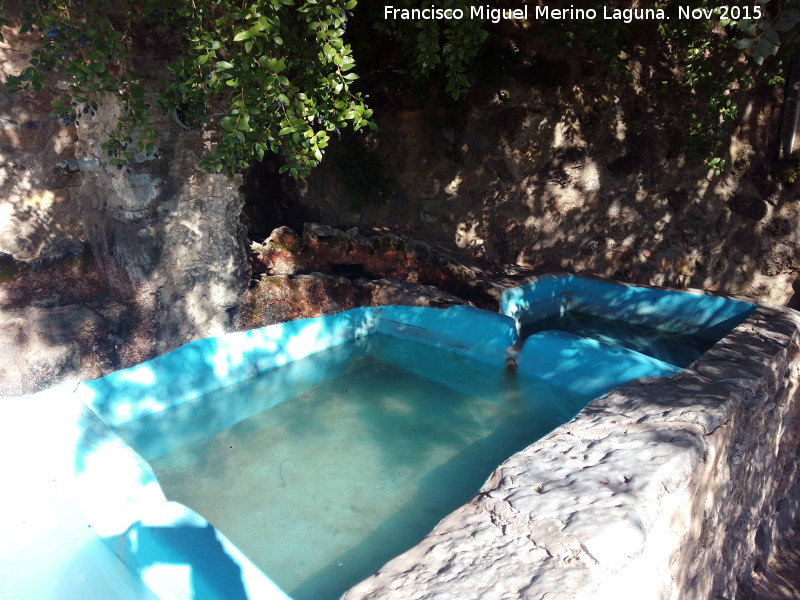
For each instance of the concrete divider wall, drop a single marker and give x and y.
(665, 488)
(664, 309)
(466, 330)
(206, 365)
(584, 365)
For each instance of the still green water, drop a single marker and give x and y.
(322, 489)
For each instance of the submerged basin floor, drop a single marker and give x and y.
(324, 488)
(676, 348)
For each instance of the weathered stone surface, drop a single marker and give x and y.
(325, 249)
(165, 236)
(384, 292)
(779, 577)
(39, 346)
(583, 177)
(70, 280)
(278, 298)
(38, 213)
(664, 488)
(279, 252)
(327, 270)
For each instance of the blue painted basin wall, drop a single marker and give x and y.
(124, 501)
(118, 489)
(711, 316)
(594, 367)
(209, 364)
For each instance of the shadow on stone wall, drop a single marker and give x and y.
(151, 255)
(549, 164)
(269, 201)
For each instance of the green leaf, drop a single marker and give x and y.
(222, 65)
(228, 123)
(242, 35)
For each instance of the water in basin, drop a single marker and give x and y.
(322, 489)
(676, 348)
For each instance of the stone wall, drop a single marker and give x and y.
(550, 164)
(664, 488)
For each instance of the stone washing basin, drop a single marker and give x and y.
(626, 492)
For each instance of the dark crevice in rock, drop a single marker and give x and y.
(794, 301)
(352, 271)
(269, 200)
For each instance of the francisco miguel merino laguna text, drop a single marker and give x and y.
(628, 15)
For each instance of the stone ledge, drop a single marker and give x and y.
(664, 488)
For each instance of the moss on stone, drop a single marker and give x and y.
(8, 270)
(383, 244)
(286, 247)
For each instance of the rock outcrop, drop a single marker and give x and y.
(326, 249)
(161, 237)
(326, 270)
(41, 346)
